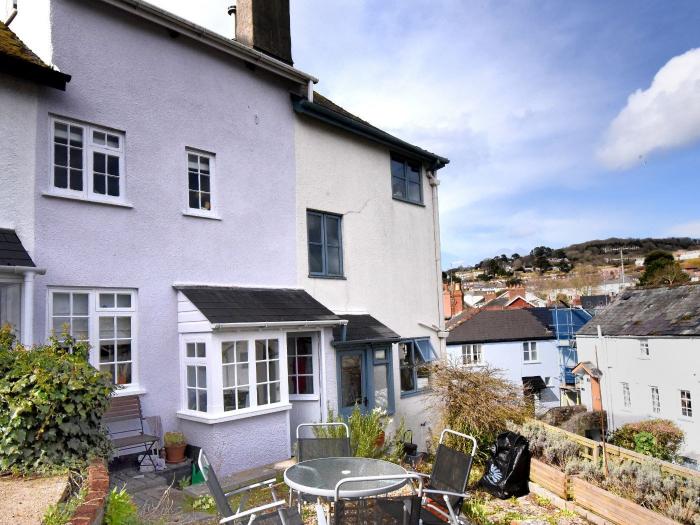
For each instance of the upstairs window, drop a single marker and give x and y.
(200, 171)
(406, 180)
(325, 244)
(686, 404)
(644, 349)
(414, 356)
(87, 161)
(471, 354)
(530, 351)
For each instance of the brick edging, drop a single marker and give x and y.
(91, 510)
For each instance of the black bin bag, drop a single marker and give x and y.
(508, 471)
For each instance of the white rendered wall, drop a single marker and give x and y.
(166, 93)
(388, 245)
(673, 365)
(508, 357)
(18, 116)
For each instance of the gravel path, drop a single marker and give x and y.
(23, 501)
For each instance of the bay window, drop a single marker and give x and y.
(233, 374)
(414, 356)
(106, 319)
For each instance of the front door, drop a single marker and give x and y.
(365, 379)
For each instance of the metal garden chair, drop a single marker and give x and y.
(447, 484)
(276, 512)
(383, 510)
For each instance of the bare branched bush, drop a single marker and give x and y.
(477, 401)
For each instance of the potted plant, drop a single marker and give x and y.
(175, 445)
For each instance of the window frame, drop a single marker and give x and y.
(530, 349)
(93, 316)
(324, 273)
(469, 350)
(644, 352)
(626, 395)
(427, 356)
(314, 396)
(655, 399)
(686, 403)
(395, 157)
(196, 361)
(89, 148)
(212, 212)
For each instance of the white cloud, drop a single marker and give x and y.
(665, 116)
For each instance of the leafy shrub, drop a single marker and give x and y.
(204, 503)
(51, 405)
(61, 513)
(364, 431)
(476, 401)
(667, 438)
(548, 446)
(120, 509)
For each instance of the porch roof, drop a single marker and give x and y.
(363, 328)
(237, 304)
(12, 252)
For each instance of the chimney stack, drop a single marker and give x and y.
(264, 26)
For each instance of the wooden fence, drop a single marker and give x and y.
(593, 451)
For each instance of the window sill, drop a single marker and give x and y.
(212, 419)
(406, 201)
(336, 277)
(414, 393)
(532, 362)
(200, 215)
(132, 390)
(303, 397)
(686, 419)
(119, 204)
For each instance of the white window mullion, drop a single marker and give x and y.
(283, 370)
(215, 384)
(252, 373)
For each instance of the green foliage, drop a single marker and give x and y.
(120, 509)
(205, 503)
(173, 439)
(184, 482)
(660, 438)
(61, 513)
(51, 405)
(476, 401)
(476, 511)
(660, 268)
(365, 429)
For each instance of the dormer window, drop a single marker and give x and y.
(406, 180)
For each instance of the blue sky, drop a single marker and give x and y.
(564, 121)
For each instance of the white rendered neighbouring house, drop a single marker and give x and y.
(235, 250)
(518, 342)
(648, 357)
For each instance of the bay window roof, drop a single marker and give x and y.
(231, 305)
(363, 328)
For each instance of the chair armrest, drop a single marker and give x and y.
(426, 476)
(267, 482)
(254, 510)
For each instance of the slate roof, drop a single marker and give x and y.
(332, 113)
(363, 328)
(652, 312)
(12, 253)
(251, 305)
(493, 326)
(17, 59)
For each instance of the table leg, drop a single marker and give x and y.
(323, 518)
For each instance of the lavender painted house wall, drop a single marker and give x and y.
(167, 93)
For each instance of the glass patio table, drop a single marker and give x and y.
(318, 477)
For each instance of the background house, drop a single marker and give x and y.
(519, 342)
(648, 358)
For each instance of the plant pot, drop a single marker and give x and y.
(379, 441)
(175, 453)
